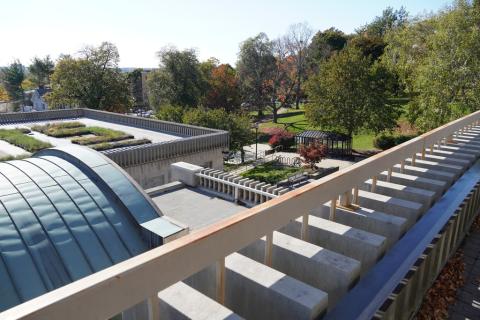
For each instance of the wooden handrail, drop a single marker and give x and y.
(110, 291)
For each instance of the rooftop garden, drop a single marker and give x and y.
(97, 138)
(18, 137)
(271, 172)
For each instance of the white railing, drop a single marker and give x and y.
(108, 292)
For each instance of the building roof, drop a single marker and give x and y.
(316, 134)
(65, 213)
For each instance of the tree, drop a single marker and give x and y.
(179, 81)
(323, 45)
(40, 71)
(389, 20)
(237, 124)
(136, 87)
(312, 153)
(437, 60)
(349, 94)
(12, 78)
(222, 89)
(255, 67)
(93, 80)
(3, 94)
(297, 42)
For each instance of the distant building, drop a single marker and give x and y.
(35, 96)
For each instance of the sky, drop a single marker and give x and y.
(140, 28)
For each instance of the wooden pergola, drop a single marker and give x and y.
(339, 145)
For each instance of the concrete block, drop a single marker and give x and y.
(255, 291)
(456, 170)
(437, 186)
(459, 154)
(387, 225)
(360, 245)
(449, 177)
(397, 207)
(461, 147)
(182, 302)
(185, 172)
(302, 261)
(446, 159)
(425, 197)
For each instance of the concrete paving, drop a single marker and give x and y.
(194, 207)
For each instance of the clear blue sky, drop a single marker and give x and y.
(141, 27)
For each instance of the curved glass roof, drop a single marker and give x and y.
(65, 213)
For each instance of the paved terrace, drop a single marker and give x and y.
(363, 242)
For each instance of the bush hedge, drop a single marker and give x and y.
(385, 142)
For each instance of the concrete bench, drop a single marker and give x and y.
(459, 154)
(398, 207)
(321, 268)
(182, 302)
(360, 245)
(255, 291)
(389, 226)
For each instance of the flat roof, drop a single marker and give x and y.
(194, 207)
(138, 133)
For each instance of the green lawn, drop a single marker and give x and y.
(298, 123)
(18, 138)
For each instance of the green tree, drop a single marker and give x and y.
(255, 67)
(93, 80)
(136, 87)
(40, 71)
(349, 94)
(389, 20)
(437, 60)
(179, 81)
(324, 44)
(11, 78)
(237, 124)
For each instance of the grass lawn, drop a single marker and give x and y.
(270, 173)
(298, 123)
(18, 138)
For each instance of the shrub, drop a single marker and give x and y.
(270, 172)
(170, 113)
(283, 138)
(313, 153)
(385, 142)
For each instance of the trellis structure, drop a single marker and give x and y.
(339, 145)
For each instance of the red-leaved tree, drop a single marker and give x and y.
(312, 153)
